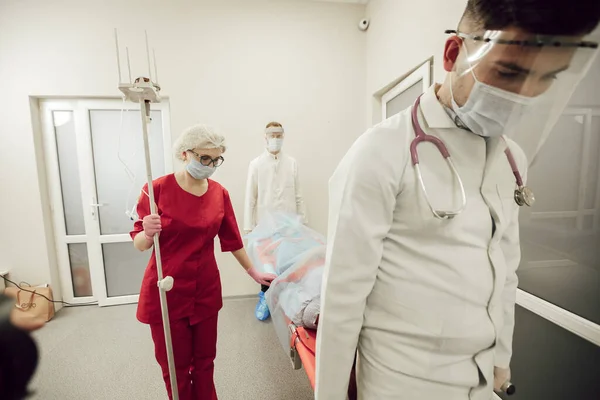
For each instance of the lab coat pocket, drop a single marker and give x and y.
(412, 208)
(418, 327)
(289, 183)
(401, 337)
(289, 188)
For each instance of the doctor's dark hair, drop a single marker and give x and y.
(545, 17)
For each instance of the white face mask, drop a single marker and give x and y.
(489, 111)
(274, 145)
(199, 171)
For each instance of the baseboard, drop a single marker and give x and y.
(240, 297)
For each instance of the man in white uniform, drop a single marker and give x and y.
(426, 296)
(273, 185)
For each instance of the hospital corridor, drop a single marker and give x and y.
(300, 199)
(244, 363)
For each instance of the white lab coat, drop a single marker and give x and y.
(273, 185)
(428, 303)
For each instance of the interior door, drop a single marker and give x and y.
(61, 150)
(99, 162)
(404, 94)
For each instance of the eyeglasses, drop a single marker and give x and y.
(207, 161)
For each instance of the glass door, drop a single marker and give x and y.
(98, 159)
(63, 169)
(559, 275)
(404, 94)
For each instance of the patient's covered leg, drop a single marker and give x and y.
(311, 313)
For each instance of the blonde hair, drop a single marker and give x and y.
(274, 124)
(198, 137)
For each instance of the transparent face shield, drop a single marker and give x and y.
(517, 84)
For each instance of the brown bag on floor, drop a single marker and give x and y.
(33, 303)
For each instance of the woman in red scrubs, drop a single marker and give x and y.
(192, 211)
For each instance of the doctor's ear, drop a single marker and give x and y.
(451, 51)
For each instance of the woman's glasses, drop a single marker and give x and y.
(207, 161)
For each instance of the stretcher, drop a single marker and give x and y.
(282, 245)
(303, 350)
(301, 345)
(301, 342)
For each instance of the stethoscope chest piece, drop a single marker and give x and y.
(524, 196)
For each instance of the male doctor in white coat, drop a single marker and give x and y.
(273, 185)
(427, 296)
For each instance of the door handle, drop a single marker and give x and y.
(94, 207)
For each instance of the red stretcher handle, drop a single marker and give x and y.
(308, 361)
(308, 358)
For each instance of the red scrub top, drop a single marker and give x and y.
(189, 227)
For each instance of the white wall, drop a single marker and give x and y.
(403, 34)
(233, 64)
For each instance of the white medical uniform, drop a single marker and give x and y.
(428, 303)
(273, 185)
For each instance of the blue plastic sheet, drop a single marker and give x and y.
(281, 244)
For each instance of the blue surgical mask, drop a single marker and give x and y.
(199, 171)
(490, 111)
(274, 144)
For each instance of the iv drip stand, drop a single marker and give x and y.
(144, 91)
(165, 284)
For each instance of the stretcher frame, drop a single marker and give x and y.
(295, 339)
(301, 356)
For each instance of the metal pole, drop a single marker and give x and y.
(118, 57)
(145, 109)
(148, 56)
(128, 64)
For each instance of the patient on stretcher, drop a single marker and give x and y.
(281, 244)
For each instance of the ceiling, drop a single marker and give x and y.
(343, 1)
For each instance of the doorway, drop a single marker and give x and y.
(95, 168)
(404, 94)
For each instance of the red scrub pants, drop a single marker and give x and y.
(194, 350)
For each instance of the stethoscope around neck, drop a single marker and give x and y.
(522, 195)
